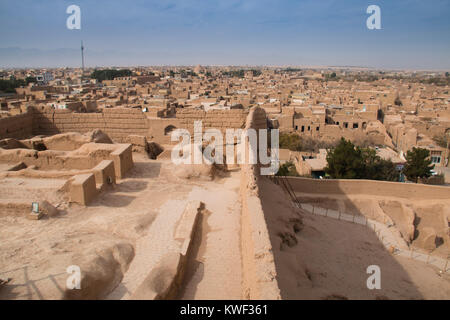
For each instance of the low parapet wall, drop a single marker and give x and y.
(259, 273)
(369, 187)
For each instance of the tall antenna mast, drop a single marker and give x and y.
(82, 56)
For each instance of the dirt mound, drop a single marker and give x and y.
(159, 284)
(432, 228)
(98, 136)
(427, 239)
(94, 150)
(194, 171)
(48, 209)
(402, 216)
(101, 272)
(66, 141)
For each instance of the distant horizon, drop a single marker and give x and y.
(301, 66)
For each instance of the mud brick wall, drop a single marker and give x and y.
(217, 119)
(259, 272)
(18, 127)
(117, 123)
(259, 119)
(369, 187)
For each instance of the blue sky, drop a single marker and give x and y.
(415, 34)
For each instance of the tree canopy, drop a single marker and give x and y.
(418, 164)
(348, 161)
(287, 169)
(110, 74)
(9, 86)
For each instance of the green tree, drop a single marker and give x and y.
(30, 79)
(9, 86)
(287, 169)
(348, 161)
(418, 164)
(345, 161)
(110, 74)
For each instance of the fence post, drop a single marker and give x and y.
(313, 209)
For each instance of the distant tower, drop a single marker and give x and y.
(82, 56)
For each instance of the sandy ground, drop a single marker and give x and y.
(35, 254)
(428, 214)
(328, 258)
(316, 257)
(28, 189)
(5, 166)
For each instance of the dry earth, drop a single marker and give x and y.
(328, 258)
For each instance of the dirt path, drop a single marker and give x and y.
(215, 272)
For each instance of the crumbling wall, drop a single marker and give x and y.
(259, 273)
(18, 127)
(117, 123)
(85, 158)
